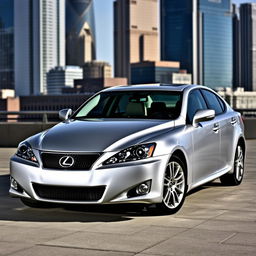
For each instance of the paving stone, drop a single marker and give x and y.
(9, 247)
(31, 235)
(244, 239)
(199, 242)
(117, 242)
(63, 251)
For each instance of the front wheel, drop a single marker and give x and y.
(236, 177)
(174, 186)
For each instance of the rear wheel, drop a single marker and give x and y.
(236, 177)
(174, 186)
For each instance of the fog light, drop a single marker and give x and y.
(142, 189)
(14, 184)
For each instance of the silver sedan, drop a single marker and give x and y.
(148, 144)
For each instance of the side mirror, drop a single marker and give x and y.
(202, 116)
(64, 114)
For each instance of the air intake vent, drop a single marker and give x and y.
(65, 193)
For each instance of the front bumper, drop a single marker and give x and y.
(117, 180)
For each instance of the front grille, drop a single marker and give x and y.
(65, 193)
(81, 161)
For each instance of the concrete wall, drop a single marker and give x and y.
(250, 128)
(13, 133)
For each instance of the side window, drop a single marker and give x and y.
(223, 106)
(212, 102)
(195, 102)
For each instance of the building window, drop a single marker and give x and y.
(154, 28)
(133, 2)
(134, 26)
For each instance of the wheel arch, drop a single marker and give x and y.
(179, 153)
(241, 141)
(182, 156)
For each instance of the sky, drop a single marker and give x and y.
(104, 28)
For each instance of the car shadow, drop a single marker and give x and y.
(13, 209)
(215, 183)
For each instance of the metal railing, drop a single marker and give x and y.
(247, 112)
(29, 116)
(52, 116)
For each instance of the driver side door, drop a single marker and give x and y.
(205, 139)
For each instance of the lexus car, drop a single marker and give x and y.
(141, 144)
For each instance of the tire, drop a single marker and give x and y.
(235, 178)
(35, 204)
(174, 186)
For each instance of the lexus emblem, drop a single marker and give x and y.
(66, 161)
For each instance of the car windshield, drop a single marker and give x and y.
(132, 104)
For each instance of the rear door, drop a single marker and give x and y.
(227, 123)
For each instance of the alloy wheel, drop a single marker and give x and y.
(174, 185)
(239, 163)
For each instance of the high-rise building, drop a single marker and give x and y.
(80, 32)
(248, 46)
(59, 78)
(39, 43)
(198, 34)
(97, 69)
(136, 34)
(6, 45)
(236, 48)
(166, 72)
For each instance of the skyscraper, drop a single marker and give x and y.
(135, 34)
(80, 32)
(39, 43)
(198, 33)
(178, 33)
(6, 45)
(59, 78)
(248, 46)
(236, 48)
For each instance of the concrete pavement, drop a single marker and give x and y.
(215, 220)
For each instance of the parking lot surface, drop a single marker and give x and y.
(215, 220)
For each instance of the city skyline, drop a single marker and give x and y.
(143, 39)
(104, 28)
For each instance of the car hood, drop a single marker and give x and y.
(97, 136)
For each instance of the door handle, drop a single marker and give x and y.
(216, 127)
(233, 121)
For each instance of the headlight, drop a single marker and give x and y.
(25, 151)
(133, 153)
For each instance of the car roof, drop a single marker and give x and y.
(153, 87)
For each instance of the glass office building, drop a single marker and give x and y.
(6, 45)
(217, 43)
(177, 32)
(198, 33)
(80, 32)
